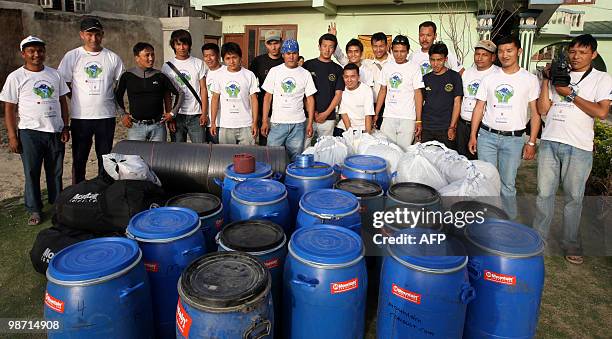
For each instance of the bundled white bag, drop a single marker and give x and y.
(391, 153)
(128, 167)
(352, 138)
(490, 173)
(475, 184)
(414, 167)
(330, 150)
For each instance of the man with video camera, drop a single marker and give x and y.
(565, 152)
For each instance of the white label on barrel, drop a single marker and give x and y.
(405, 294)
(272, 263)
(54, 304)
(500, 278)
(151, 266)
(344, 286)
(183, 320)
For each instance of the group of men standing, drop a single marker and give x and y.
(482, 112)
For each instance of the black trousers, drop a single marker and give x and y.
(463, 138)
(440, 135)
(84, 132)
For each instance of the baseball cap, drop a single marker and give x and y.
(290, 46)
(487, 45)
(90, 23)
(31, 40)
(273, 35)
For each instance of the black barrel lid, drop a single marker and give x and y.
(414, 193)
(361, 188)
(430, 222)
(223, 279)
(252, 235)
(202, 203)
(489, 210)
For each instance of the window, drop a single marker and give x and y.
(80, 6)
(175, 11)
(77, 6)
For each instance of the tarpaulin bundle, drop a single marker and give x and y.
(188, 167)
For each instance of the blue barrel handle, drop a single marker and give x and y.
(218, 181)
(265, 216)
(304, 281)
(337, 168)
(468, 293)
(474, 269)
(291, 187)
(277, 176)
(192, 250)
(127, 291)
(259, 329)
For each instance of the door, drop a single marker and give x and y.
(256, 41)
(239, 39)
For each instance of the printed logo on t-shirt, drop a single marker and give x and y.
(93, 69)
(43, 89)
(331, 77)
(503, 93)
(395, 80)
(425, 68)
(232, 89)
(472, 87)
(288, 85)
(185, 74)
(449, 87)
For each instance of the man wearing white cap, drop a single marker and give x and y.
(91, 72)
(37, 94)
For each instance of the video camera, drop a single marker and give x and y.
(560, 68)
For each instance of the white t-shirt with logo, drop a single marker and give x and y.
(92, 76)
(235, 90)
(210, 78)
(193, 70)
(375, 68)
(421, 59)
(288, 86)
(565, 122)
(356, 104)
(37, 96)
(471, 81)
(507, 99)
(401, 81)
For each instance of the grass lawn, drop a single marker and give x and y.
(577, 301)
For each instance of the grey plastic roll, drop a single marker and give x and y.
(186, 167)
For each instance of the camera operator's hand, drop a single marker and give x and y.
(546, 72)
(563, 90)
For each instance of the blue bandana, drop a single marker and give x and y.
(290, 46)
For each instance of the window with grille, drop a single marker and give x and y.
(175, 11)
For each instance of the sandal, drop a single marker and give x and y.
(34, 219)
(575, 259)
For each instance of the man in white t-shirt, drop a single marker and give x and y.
(37, 94)
(91, 72)
(211, 54)
(288, 84)
(400, 84)
(193, 115)
(356, 107)
(354, 54)
(566, 149)
(427, 37)
(503, 99)
(484, 56)
(235, 98)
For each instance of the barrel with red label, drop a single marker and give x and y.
(506, 268)
(324, 284)
(170, 239)
(225, 295)
(99, 289)
(330, 207)
(424, 288)
(210, 210)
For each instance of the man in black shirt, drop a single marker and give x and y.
(327, 76)
(261, 65)
(442, 99)
(148, 92)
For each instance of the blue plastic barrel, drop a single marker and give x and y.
(330, 207)
(424, 289)
(264, 240)
(300, 180)
(414, 195)
(506, 268)
(261, 199)
(170, 239)
(480, 209)
(231, 178)
(210, 210)
(99, 289)
(324, 284)
(225, 295)
(368, 167)
(370, 195)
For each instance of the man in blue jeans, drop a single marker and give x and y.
(567, 140)
(288, 84)
(502, 101)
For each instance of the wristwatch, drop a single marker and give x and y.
(570, 97)
(532, 144)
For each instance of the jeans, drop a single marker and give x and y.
(144, 132)
(505, 153)
(83, 130)
(289, 135)
(210, 138)
(41, 148)
(189, 125)
(463, 138)
(399, 131)
(319, 130)
(240, 136)
(440, 135)
(571, 165)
